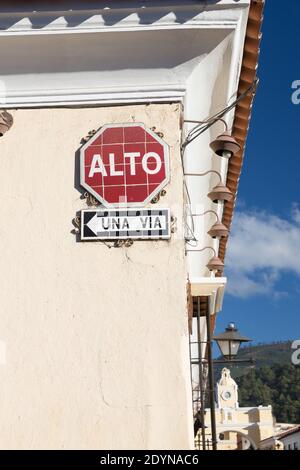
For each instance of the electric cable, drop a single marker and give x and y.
(203, 127)
(194, 134)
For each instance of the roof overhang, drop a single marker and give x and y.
(51, 56)
(213, 288)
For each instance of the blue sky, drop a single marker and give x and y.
(263, 259)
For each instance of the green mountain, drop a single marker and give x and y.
(268, 354)
(272, 381)
(276, 385)
(263, 354)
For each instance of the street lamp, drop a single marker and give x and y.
(229, 342)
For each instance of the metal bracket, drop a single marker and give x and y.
(84, 140)
(126, 243)
(90, 200)
(76, 222)
(173, 224)
(156, 198)
(158, 133)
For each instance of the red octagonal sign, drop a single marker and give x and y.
(124, 165)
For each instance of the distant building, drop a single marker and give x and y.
(286, 437)
(238, 428)
(290, 438)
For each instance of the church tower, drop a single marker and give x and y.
(227, 391)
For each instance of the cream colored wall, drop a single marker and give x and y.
(96, 338)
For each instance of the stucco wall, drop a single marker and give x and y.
(96, 338)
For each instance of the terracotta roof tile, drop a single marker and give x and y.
(243, 109)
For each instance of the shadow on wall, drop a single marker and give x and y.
(253, 415)
(243, 440)
(33, 9)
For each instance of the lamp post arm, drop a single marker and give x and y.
(206, 173)
(207, 212)
(205, 248)
(228, 361)
(235, 361)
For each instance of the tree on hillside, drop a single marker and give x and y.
(278, 386)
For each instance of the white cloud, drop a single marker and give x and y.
(242, 286)
(262, 246)
(296, 212)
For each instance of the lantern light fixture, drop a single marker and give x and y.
(219, 193)
(215, 264)
(225, 145)
(218, 230)
(230, 341)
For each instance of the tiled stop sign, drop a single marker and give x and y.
(124, 165)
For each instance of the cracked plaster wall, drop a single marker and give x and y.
(96, 339)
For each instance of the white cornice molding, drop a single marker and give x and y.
(91, 96)
(213, 287)
(137, 16)
(87, 85)
(206, 286)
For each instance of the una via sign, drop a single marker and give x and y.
(125, 224)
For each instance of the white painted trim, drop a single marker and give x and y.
(88, 96)
(120, 17)
(206, 284)
(212, 287)
(48, 32)
(128, 16)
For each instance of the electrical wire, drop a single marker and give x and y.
(213, 119)
(188, 229)
(203, 127)
(194, 134)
